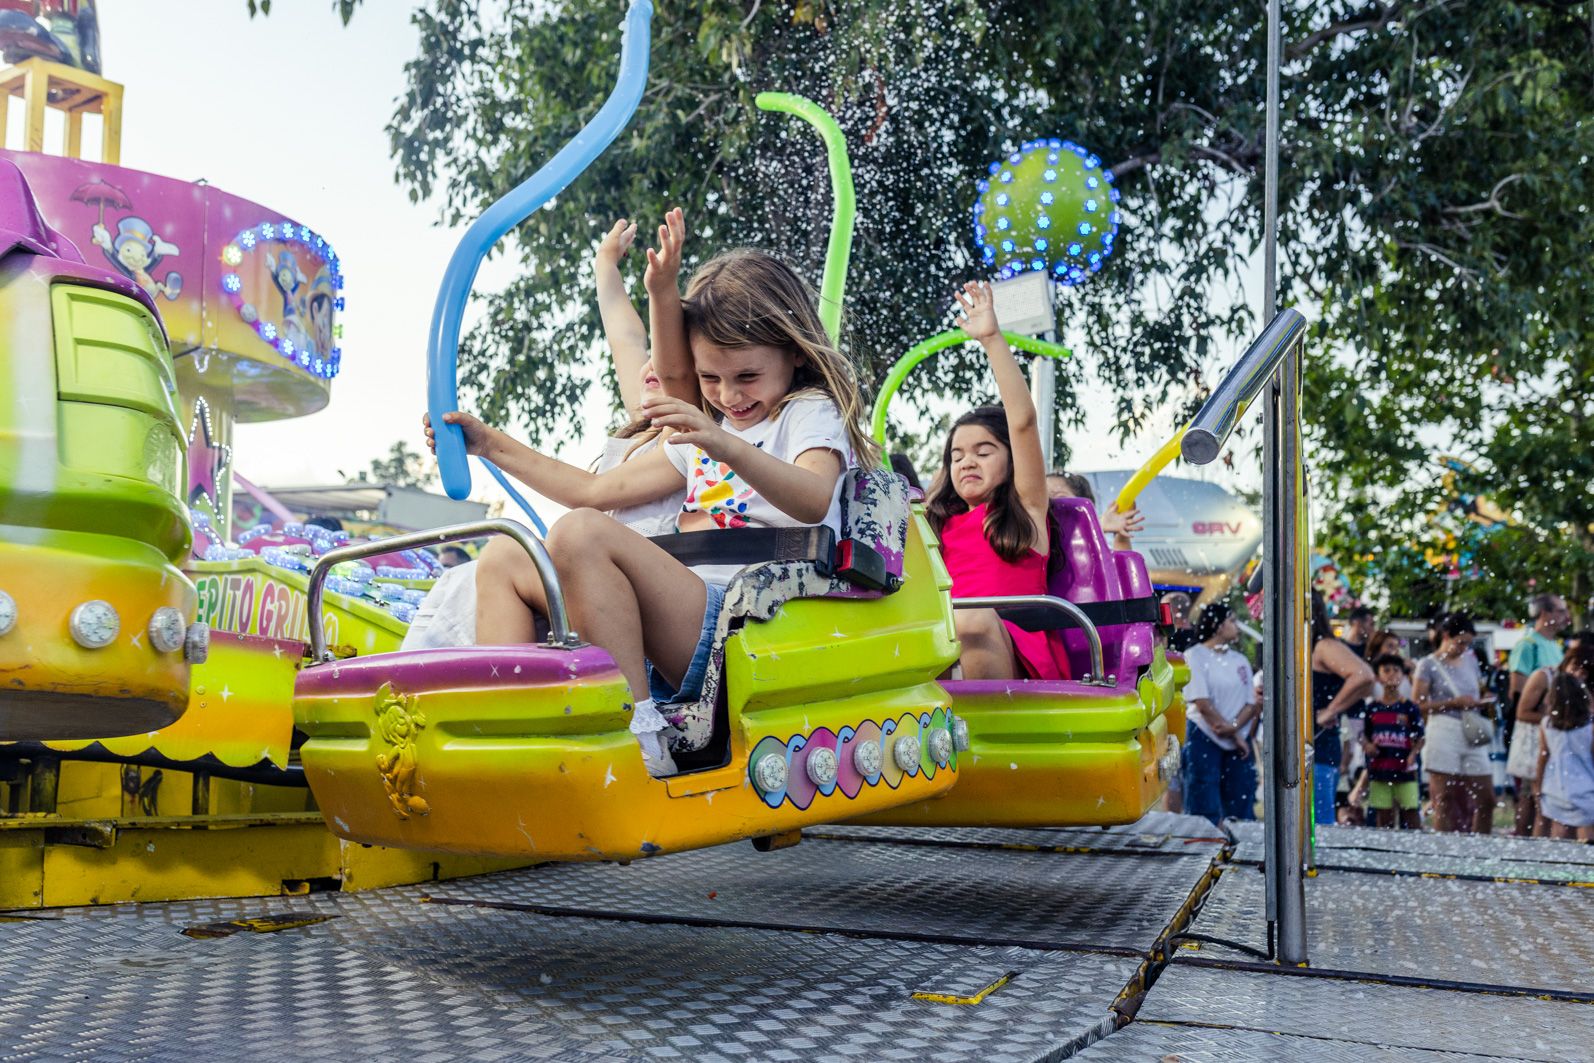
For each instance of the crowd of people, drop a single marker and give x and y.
(1401, 739)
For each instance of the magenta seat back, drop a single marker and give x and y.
(1085, 569)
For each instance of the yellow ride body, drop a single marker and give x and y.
(526, 750)
(1067, 753)
(1090, 758)
(91, 466)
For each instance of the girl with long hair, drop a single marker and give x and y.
(989, 507)
(1449, 689)
(1566, 752)
(778, 426)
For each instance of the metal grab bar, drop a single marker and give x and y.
(559, 633)
(1204, 438)
(1097, 676)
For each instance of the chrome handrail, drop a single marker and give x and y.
(559, 634)
(1210, 429)
(1047, 601)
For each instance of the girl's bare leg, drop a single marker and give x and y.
(1482, 790)
(509, 594)
(628, 596)
(1526, 807)
(1443, 787)
(987, 646)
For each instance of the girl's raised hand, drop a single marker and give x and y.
(664, 263)
(478, 437)
(1129, 522)
(979, 309)
(689, 423)
(616, 242)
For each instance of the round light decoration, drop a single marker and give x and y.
(1051, 207)
(312, 295)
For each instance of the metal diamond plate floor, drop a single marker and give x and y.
(1373, 1016)
(1510, 935)
(859, 944)
(811, 953)
(1146, 1042)
(1036, 899)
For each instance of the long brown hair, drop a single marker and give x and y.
(1568, 700)
(1008, 526)
(750, 298)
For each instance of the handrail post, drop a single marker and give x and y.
(1272, 364)
(1286, 695)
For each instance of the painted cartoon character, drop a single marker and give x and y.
(291, 282)
(136, 251)
(398, 722)
(322, 302)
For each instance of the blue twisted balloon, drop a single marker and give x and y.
(442, 351)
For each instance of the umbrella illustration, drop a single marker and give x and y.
(100, 193)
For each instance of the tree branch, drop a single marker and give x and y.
(1379, 16)
(1493, 202)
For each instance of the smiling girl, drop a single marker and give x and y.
(782, 425)
(990, 508)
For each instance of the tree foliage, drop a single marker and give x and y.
(402, 467)
(1434, 208)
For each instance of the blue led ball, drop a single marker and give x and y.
(1046, 187)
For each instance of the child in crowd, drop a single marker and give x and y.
(451, 614)
(1566, 753)
(1121, 526)
(1392, 742)
(781, 427)
(990, 509)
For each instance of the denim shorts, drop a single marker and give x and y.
(691, 689)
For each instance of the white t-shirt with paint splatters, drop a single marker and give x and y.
(714, 488)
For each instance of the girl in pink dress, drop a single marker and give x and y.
(990, 508)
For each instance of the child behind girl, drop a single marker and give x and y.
(785, 427)
(1566, 753)
(990, 509)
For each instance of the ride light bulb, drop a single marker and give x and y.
(94, 624)
(822, 765)
(769, 774)
(941, 747)
(8, 613)
(167, 630)
(196, 643)
(906, 752)
(960, 734)
(867, 759)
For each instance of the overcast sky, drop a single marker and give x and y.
(290, 110)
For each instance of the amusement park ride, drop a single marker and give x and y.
(194, 309)
(222, 718)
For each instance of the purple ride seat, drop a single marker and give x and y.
(1084, 569)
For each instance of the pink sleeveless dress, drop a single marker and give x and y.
(977, 571)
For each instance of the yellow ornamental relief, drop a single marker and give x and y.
(399, 722)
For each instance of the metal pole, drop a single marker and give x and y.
(1043, 388)
(1284, 661)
